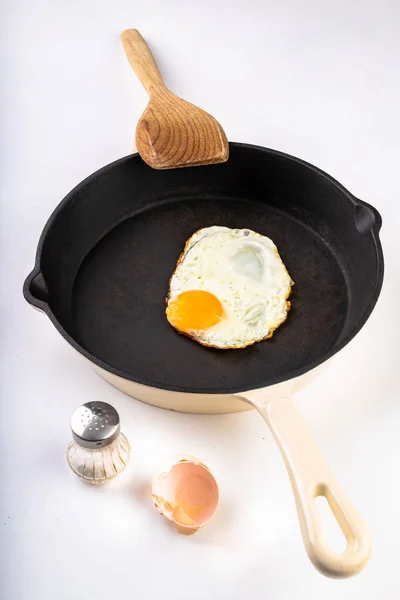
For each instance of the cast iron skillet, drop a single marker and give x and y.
(101, 275)
(108, 250)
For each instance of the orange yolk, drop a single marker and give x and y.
(194, 310)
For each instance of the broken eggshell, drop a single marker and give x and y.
(186, 493)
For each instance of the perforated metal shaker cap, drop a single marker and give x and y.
(95, 425)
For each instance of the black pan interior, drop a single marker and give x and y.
(108, 252)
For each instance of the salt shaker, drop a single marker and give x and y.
(98, 451)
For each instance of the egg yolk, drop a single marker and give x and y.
(194, 310)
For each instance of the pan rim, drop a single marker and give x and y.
(44, 306)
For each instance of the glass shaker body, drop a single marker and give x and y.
(99, 466)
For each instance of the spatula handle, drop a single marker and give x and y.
(141, 60)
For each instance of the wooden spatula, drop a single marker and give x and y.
(171, 132)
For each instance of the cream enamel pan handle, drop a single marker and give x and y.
(311, 477)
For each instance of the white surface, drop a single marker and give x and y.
(318, 82)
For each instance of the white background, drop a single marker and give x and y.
(317, 81)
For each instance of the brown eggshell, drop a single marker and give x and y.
(186, 493)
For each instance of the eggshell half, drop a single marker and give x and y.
(186, 493)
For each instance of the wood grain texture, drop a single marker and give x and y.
(171, 132)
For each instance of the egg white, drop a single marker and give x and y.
(244, 271)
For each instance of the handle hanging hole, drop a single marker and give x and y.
(334, 536)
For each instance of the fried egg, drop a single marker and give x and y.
(229, 289)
